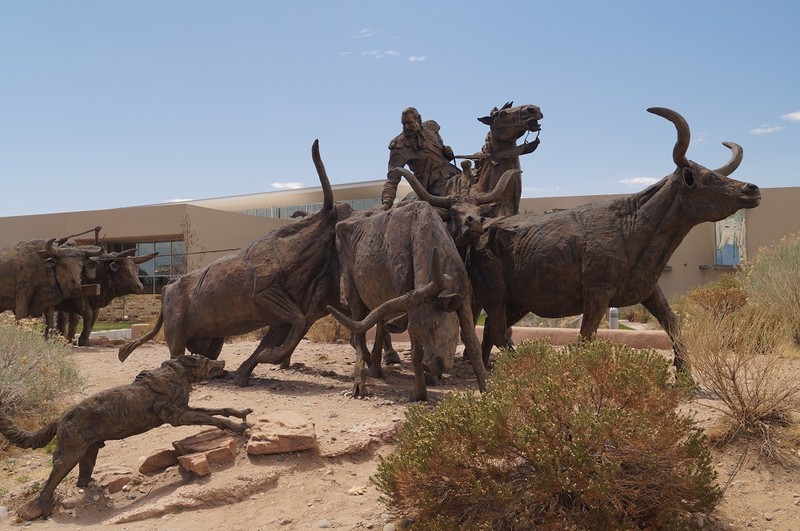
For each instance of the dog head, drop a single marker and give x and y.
(197, 368)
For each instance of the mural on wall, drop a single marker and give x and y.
(731, 241)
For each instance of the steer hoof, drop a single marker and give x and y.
(31, 510)
(360, 390)
(391, 357)
(242, 380)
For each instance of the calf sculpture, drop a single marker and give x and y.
(598, 255)
(386, 256)
(283, 280)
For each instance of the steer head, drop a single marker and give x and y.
(431, 318)
(123, 272)
(463, 213)
(706, 195)
(66, 263)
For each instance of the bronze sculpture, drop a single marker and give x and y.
(586, 259)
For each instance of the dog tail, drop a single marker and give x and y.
(25, 439)
(126, 349)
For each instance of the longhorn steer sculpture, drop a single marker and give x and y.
(386, 256)
(117, 275)
(598, 255)
(35, 275)
(284, 279)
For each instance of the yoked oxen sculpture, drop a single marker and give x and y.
(35, 275)
(599, 255)
(117, 275)
(385, 257)
(284, 279)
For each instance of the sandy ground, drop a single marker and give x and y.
(305, 490)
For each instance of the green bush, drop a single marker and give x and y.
(35, 375)
(587, 438)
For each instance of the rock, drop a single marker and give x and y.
(769, 517)
(282, 431)
(697, 521)
(158, 461)
(324, 524)
(3, 511)
(70, 503)
(390, 527)
(115, 485)
(96, 498)
(204, 441)
(285, 521)
(196, 463)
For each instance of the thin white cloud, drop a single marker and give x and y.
(417, 58)
(638, 181)
(287, 186)
(364, 33)
(792, 117)
(380, 54)
(766, 129)
(702, 138)
(345, 53)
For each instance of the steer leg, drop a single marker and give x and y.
(594, 308)
(375, 369)
(417, 357)
(390, 355)
(279, 308)
(89, 317)
(472, 349)
(657, 304)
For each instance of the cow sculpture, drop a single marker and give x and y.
(599, 255)
(384, 258)
(36, 275)
(285, 279)
(117, 275)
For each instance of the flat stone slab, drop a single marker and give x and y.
(280, 432)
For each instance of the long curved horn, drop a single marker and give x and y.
(92, 250)
(143, 259)
(51, 249)
(126, 253)
(684, 135)
(327, 193)
(736, 158)
(489, 197)
(422, 193)
(390, 308)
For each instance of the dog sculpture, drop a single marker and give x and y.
(156, 397)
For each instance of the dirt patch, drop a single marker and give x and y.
(313, 489)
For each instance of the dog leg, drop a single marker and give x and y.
(62, 465)
(225, 412)
(192, 417)
(86, 465)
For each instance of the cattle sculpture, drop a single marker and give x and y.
(589, 258)
(384, 257)
(117, 275)
(285, 279)
(36, 275)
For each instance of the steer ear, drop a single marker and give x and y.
(688, 177)
(449, 302)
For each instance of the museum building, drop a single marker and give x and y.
(191, 234)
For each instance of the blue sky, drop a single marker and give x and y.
(112, 104)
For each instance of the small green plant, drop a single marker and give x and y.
(3, 492)
(587, 438)
(22, 479)
(327, 330)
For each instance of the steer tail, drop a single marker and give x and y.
(126, 349)
(25, 439)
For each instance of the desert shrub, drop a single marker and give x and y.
(587, 438)
(736, 354)
(636, 314)
(721, 297)
(35, 375)
(328, 330)
(772, 281)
